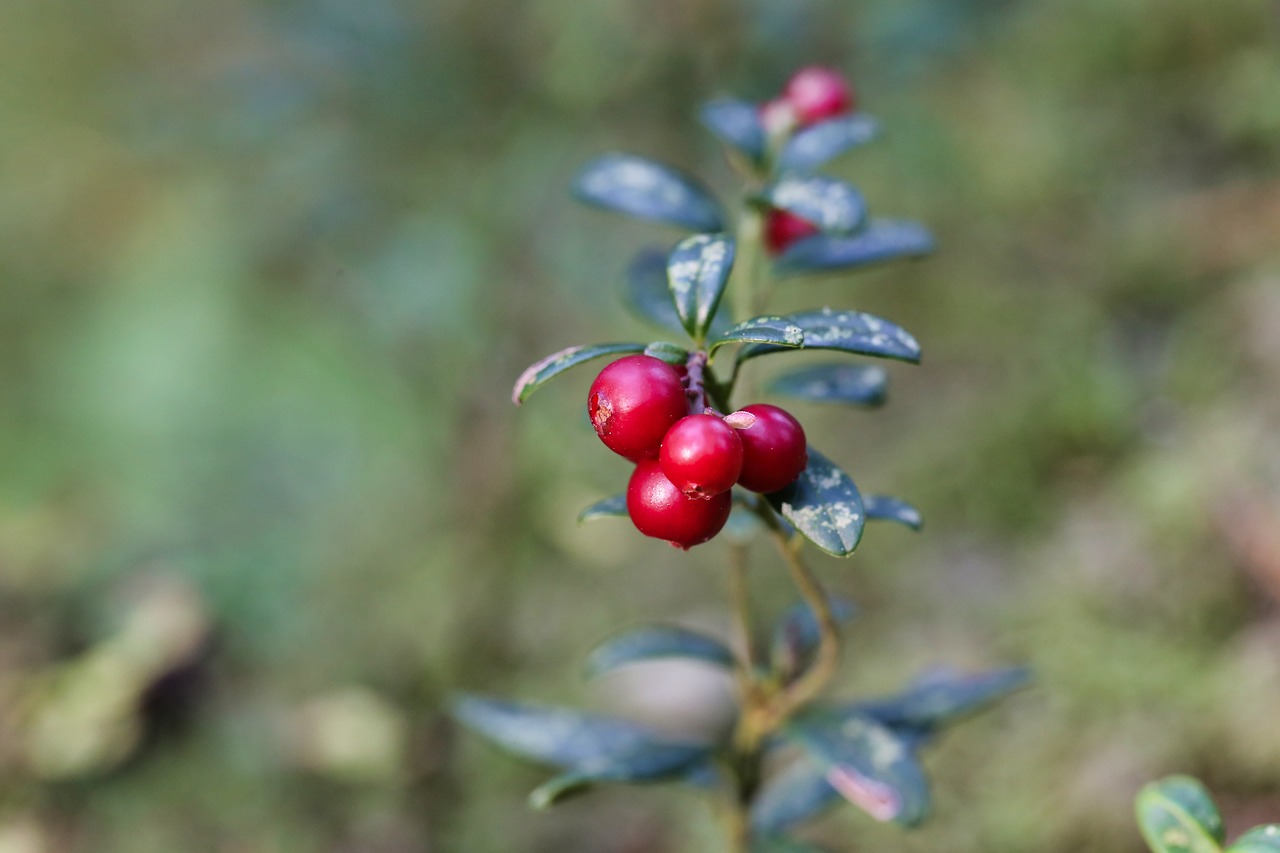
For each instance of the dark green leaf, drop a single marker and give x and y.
(798, 793)
(797, 635)
(648, 190)
(815, 145)
(1260, 839)
(647, 293)
(855, 384)
(824, 505)
(657, 641)
(1177, 815)
(881, 240)
(942, 696)
(611, 507)
(668, 352)
(867, 763)
(778, 331)
(558, 362)
(845, 331)
(778, 844)
(737, 124)
(698, 270)
(834, 206)
(886, 508)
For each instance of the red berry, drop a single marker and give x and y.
(702, 456)
(818, 93)
(781, 229)
(659, 509)
(773, 449)
(632, 404)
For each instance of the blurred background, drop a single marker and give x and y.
(269, 270)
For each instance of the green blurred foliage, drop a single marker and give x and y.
(270, 268)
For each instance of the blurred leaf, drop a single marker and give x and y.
(797, 635)
(795, 795)
(835, 206)
(1177, 815)
(697, 271)
(614, 506)
(815, 145)
(941, 697)
(869, 765)
(742, 527)
(649, 295)
(558, 362)
(668, 352)
(657, 641)
(636, 770)
(1260, 839)
(856, 384)
(886, 508)
(737, 124)
(648, 190)
(881, 240)
(844, 331)
(823, 504)
(775, 844)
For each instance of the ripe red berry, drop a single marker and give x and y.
(632, 404)
(659, 509)
(773, 449)
(818, 93)
(781, 229)
(702, 456)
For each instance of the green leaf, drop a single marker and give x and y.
(668, 352)
(1177, 815)
(797, 635)
(736, 123)
(800, 792)
(867, 763)
(940, 697)
(558, 362)
(845, 331)
(826, 140)
(698, 270)
(777, 331)
(653, 642)
(881, 240)
(824, 506)
(854, 384)
(614, 506)
(778, 844)
(886, 508)
(699, 773)
(648, 294)
(1260, 839)
(648, 190)
(834, 206)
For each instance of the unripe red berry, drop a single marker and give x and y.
(659, 509)
(632, 404)
(774, 452)
(702, 456)
(781, 229)
(818, 93)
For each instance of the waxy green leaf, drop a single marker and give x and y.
(844, 331)
(1177, 815)
(824, 506)
(853, 384)
(1260, 839)
(614, 506)
(737, 124)
(781, 332)
(797, 635)
(697, 271)
(647, 190)
(886, 508)
(536, 374)
(880, 240)
(798, 793)
(834, 206)
(815, 145)
(653, 642)
(941, 697)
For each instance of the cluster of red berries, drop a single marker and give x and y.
(812, 95)
(687, 461)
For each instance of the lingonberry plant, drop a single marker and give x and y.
(1178, 815)
(670, 408)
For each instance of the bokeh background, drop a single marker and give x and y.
(270, 268)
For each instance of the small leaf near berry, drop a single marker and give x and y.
(845, 331)
(737, 124)
(778, 331)
(832, 205)
(816, 145)
(553, 365)
(881, 240)
(823, 504)
(886, 508)
(614, 506)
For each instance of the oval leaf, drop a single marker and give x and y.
(780, 332)
(826, 140)
(881, 240)
(797, 635)
(611, 507)
(941, 697)
(853, 384)
(647, 293)
(536, 374)
(886, 508)
(1177, 815)
(824, 506)
(668, 352)
(867, 764)
(798, 793)
(737, 124)
(638, 769)
(697, 271)
(845, 331)
(834, 206)
(657, 641)
(1260, 839)
(648, 190)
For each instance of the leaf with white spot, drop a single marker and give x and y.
(777, 332)
(851, 384)
(737, 124)
(886, 508)
(823, 504)
(1177, 815)
(647, 190)
(654, 642)
(845, 331)
(697, 272)
(614, 506)
(1260, 839)
(879, 241)
(815, 145)
(834, 206)
(536, 374)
